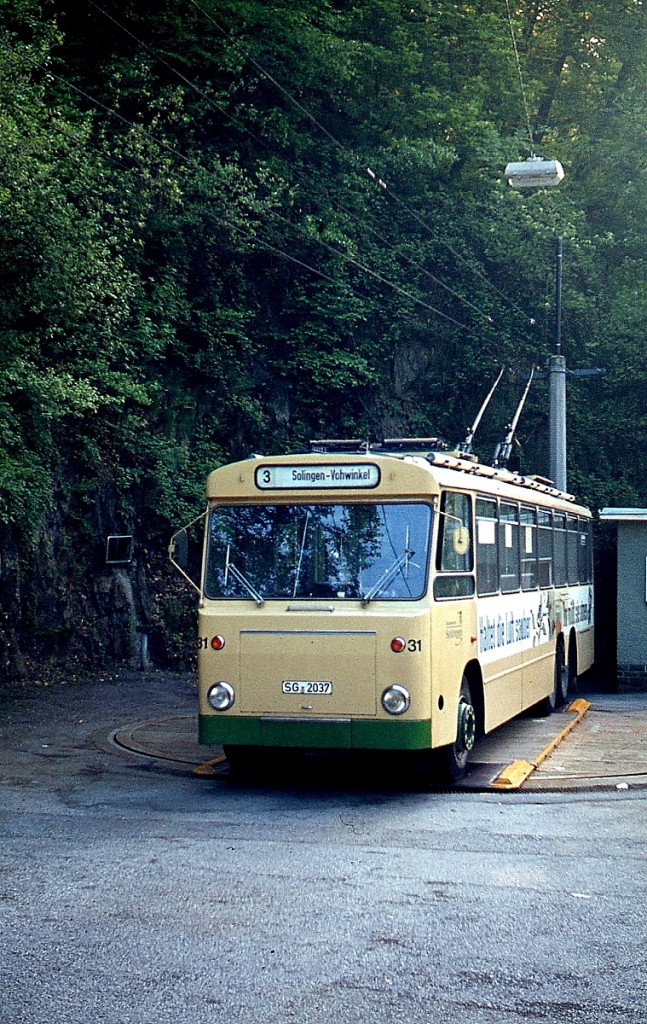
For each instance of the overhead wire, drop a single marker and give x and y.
(392, 195)
(332, 249)
(259, 67)
(520, 75)
(427, 273)
(400, 202)
(379, 277)
(110, 110)
(301, 177)
(294, 259)
(63, 128)
(251, 236)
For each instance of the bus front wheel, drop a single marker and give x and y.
(451, 761)
(244, 761)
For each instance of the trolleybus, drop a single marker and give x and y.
(390, 597)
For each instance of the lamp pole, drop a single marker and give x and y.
(538, 173)
(557, 374)
(557, 387)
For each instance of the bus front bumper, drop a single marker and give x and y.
(314, 734)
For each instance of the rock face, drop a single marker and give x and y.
(64, 613)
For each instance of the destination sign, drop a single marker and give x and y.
(320, 477)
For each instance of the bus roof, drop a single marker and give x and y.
(373, 472)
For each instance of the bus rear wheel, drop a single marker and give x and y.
(451, 761)
(557, 695)
(562, 677)
(571, 672)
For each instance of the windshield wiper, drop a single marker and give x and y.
(240, 578)
(388, 575)
(297, 572)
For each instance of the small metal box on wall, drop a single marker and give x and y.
(631, 594)
(119, 549)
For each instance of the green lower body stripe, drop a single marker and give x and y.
(357, 734)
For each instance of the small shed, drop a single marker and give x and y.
(631, 594)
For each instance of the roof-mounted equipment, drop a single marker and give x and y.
(411, 445)
(349, 445)
(465, 449)
(504, 448)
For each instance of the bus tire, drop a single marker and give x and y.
(561, 672)
(548, 704)
(244, 761)
(451, 761)
(572, 665)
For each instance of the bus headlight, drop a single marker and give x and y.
(396, 700)
(221, 696)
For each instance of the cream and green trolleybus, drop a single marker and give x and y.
(387, 597)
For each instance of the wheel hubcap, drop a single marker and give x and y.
(466, 726)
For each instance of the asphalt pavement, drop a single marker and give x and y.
(134, 892)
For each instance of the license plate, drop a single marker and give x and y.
(307, 686)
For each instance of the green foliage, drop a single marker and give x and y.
(197, 263)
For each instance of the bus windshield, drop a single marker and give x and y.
(365, 552)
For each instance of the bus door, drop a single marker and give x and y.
(454, 606)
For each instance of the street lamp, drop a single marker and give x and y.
(534, 172)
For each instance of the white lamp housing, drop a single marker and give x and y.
(535, 172)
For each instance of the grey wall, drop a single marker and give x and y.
(632, 607)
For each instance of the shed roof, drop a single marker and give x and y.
(624, 514)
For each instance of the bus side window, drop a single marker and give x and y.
(572, 539)
(559, 548)
(528, 547)
(509, 547)
(545, 547)
(455, 548)
(487, 565)
(584, 551)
